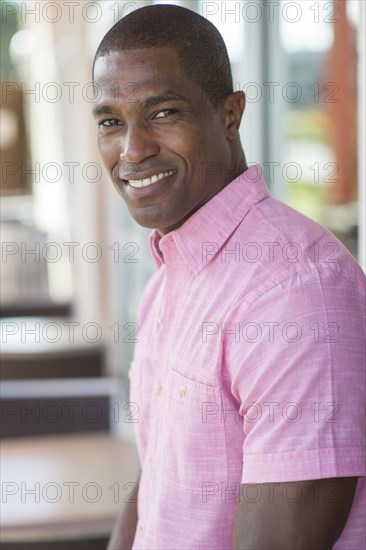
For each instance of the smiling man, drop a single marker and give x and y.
(249, 372)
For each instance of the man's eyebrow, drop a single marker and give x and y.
(102, 109)
(148, 102)
(162, 98)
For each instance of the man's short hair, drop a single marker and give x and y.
(199, 45)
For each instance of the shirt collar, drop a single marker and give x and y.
(211, 225)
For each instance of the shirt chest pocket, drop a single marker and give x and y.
(191, 441)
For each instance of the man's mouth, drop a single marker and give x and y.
(148, 181)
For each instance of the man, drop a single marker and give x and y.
(248, 371)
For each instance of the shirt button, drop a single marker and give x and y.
(182, 391)
(157, 389)
(141, 530)
(150, 460)
(159, 319)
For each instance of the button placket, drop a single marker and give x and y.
(162, 319)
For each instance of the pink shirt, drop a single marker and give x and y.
(249, 368)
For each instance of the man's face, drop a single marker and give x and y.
(162, 142)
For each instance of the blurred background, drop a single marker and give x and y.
(74, 263)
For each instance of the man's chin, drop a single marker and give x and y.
(162, 226)
(149, 222)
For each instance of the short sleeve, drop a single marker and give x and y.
(298, 373)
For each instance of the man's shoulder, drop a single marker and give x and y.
(282, 241)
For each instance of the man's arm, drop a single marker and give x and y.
(125, 527)
(303, 515)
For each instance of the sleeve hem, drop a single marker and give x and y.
(304, 465)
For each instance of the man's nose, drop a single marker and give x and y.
(138, 144)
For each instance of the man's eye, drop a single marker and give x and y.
(165, 113)
(110, 122)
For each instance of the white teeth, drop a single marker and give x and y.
(153, 179)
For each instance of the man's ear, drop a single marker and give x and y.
(233, 111)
